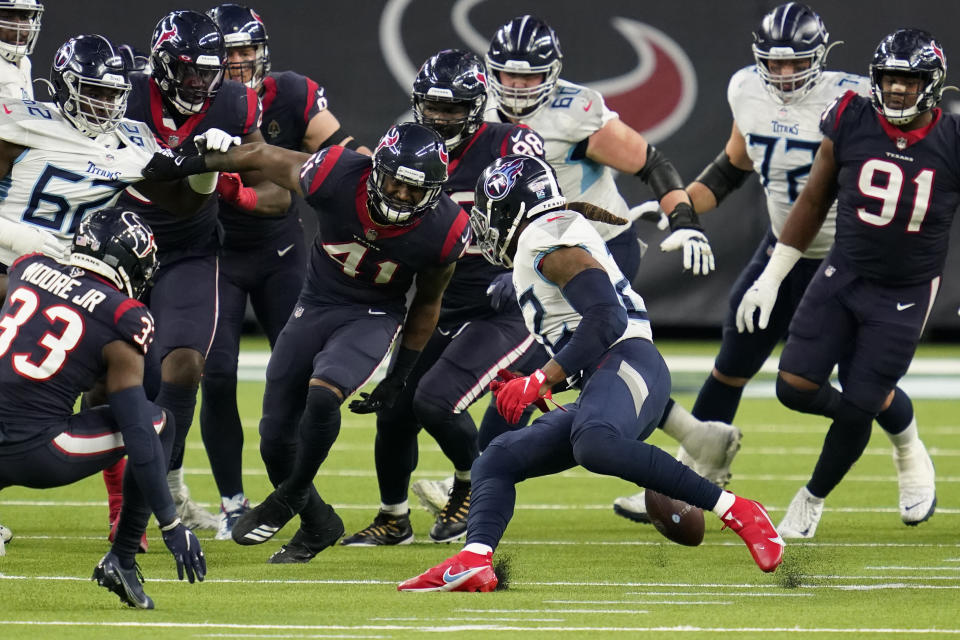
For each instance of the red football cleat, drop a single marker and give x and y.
(750, 521)
(466, 571)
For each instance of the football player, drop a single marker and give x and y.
(587, 142)
(382, 225)
(183, 97)
(892, 163)
(776, 105)
(582, 309)
(67, 325)
(449, 96)
(19, 29)
(262, 258)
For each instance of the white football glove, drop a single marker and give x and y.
(650, 211)
(697, 254)
(215, 140)
(762, 295)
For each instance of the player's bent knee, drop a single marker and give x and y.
(822, 400)
(595, 448)
(323, 384)
(497, 462)
(182, 366)
(730, 381)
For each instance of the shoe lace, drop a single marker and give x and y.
(383, 524)
(136, 567)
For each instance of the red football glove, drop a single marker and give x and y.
(231, 189)
(516, 393)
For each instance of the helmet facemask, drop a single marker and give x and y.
(454, 130)
(787, 88)
(248, 71)
(928, 96)
(189, 85)
(522, 102)
(22, 32)
(387, 208)
(95, 105)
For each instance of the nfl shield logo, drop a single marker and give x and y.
(298, 311)
(173, 141)
(901, 143)
(370, 235)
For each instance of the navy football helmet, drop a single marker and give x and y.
(187, 56)
(119, 246)
(525, 45)
(90, 84)
(243, 27)
(909, 52)
(412, 154)
(510, 191)
(22, 18)
(452, 77)
(794, 32)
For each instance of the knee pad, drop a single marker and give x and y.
(822, 401)
(848, 413)
(322, 401)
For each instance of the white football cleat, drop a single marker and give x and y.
(803, 516)
(916, 477)
(718, 445)
(632, 508)
(5, 534)
(433, 494)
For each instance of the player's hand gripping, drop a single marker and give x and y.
(762, 295)
(650, 211)
(185, 547)
(516, 393)
(383, 396)
(697, 253)
(501, 292)
(215, 140)
(167, 164)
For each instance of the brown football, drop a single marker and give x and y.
(676, 520)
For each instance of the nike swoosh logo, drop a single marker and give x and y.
(589, 104)
(376, 313)
(778, 540)
(901, 307)
(453, 577)
(914, 506)
(554, 218)
(284, 251)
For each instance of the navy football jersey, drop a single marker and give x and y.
(53, 327)
(898, 191)
(236, 110)
(354, 259)
(466, 296)
(289, 102)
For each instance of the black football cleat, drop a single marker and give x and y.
(123, 582)
(385, 530)
(263, 521)
(451, 522)
(306, 544)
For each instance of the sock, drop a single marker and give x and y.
(222, 432)
(400, 509)
(667, 408)
(180, 400)
(844, 444)
(175, 482)
(685, 429)
(724, 503)
(232, 503)
(113, 479)
(904, 440)
(478, 548)
(463, 476)
(898, 416)
(319, 428)
(717, 401)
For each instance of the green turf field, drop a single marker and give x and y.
(577, 569)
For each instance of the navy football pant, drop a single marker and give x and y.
(454, 369)
(88, 443)
(603, 431)
(272, 283)
(871, 331)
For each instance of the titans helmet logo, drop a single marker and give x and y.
(499, 183)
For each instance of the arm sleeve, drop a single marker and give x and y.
(603, 320)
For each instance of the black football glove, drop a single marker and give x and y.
(185, 547)
(382, 397)
(502, 293)
(169, 165)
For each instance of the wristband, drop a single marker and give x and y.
(204, 183)
(170, 527)
(683, 217)
(781, 262)
(404, 362)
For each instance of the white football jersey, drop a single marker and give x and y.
(783, 139)
(15, 80)
(62, 174)
(573, 114)
(547, 314)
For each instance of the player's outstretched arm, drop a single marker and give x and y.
(257, 193)
(726, 173)
(148, 462)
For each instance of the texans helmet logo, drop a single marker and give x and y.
(256, 16)
(499, 183)
(481, 78)
(144, 243)
(937, 51)
(444, 156)
(389, 141)
(169, 32)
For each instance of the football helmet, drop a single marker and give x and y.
(794, 32)
(90, 84)
(910, 52)
(23, 31)
(525, 45)
(412, 154)
(512, 189)
(186, 58)
(243, 27)
(119, 246)
(453, 77)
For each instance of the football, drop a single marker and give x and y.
(676, 520)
